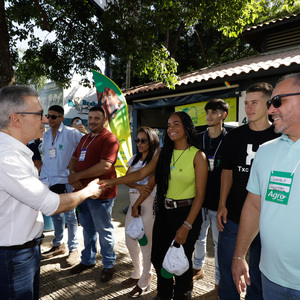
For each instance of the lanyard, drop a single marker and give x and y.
(89, 142)
(217, 147)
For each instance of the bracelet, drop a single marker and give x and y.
(187, 224)
(238, 257)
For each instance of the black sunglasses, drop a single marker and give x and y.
(53, 117)
(276, 100)
(143, 141)
(40, 113)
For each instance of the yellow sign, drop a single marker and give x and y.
(197, 112)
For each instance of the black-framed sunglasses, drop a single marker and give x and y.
(276, 100)
(40, 113)
(143, 141)
(53, 117)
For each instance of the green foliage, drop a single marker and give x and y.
(158, 36)
(73, 47)
(160, 66)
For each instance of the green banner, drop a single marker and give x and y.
(111, 99)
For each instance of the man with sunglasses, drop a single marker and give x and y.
(23, 197)
(272, 205)
(59, 143)
(240, 146)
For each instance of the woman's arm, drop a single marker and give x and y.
(134, 176)
(143, 196)
(201, 171)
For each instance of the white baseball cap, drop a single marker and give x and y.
(136, 231)
(175, 262)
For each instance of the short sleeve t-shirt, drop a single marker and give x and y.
(240, 147)
(102, 146)
(213, 148)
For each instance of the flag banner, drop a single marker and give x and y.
(111, 99)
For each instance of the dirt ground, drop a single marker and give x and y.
(58, 283)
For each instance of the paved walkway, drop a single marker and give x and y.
(58, 283)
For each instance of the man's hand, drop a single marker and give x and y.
(221, 217)
(240, 268)
(95, 188)
(77, 185)
(81, 128)
(73, 177)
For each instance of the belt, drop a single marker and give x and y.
(171, 204)
(30, 244)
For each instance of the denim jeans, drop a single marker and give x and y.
(59, 221)
(200, 245)
(226, 245)
(95, 217)
(273, 291)
(20, 273)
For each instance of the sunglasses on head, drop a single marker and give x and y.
(53, 117)
(276, 100)
(143, 141)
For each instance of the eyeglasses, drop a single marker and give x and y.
(40, 113)
(276, 100)
(143, 141)
(53, 117)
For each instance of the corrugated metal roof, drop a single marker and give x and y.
(288, 18)
(251, 64)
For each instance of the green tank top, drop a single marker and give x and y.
(182, 177)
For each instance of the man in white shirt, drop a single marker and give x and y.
(60, 142)
(23, 196)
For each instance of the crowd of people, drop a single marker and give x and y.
(242, 183)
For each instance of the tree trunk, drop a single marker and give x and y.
(7, 73)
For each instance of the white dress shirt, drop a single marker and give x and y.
(22, 195)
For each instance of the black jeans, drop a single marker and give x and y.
(167, 222)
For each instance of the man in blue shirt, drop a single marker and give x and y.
(60, 141)
(272, 204)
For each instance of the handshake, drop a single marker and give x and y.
(96, 187)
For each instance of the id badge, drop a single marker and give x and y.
(211, 161)
(82, 155)
(52, 153)
(279, 187)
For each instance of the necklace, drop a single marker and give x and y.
(173, 166)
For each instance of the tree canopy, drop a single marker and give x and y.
(158, 39)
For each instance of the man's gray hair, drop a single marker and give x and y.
(12, 100)
(295, 76)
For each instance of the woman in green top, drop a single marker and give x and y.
(180, 175)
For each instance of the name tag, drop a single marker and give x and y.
(279, 187)
(52, 153)
(211, 161)
(82, 155)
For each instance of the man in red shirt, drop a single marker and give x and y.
(95, 157)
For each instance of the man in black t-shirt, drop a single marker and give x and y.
(240, 147)
(211, 142)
